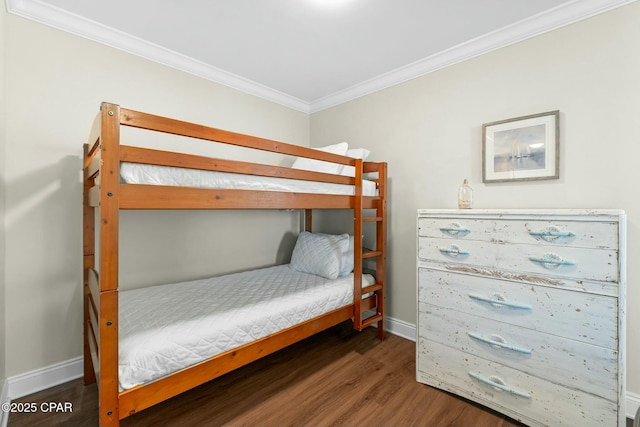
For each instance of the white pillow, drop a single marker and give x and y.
(347, 259)
(322, 166)
(319, 254)
(356, 153)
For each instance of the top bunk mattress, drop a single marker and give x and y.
(169, 327)
(137, 173)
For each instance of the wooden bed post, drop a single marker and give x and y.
(381, 245)
(308, 218)
(357, 248)
(108, 271)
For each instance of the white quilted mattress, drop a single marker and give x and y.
(169, 327)
(136, 173)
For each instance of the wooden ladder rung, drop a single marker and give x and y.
(372, 219)
(371, 254)
(371, 320)
(372, 288)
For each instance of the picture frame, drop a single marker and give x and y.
(522, 148)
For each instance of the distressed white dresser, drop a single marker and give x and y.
(524, 311)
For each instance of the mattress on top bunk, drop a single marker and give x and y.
(137, 173)
(169, 327)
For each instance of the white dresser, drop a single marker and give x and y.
(523, 311)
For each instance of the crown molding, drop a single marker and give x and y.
(546, 21)
(69, 22)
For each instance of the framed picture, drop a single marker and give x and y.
(521, 149)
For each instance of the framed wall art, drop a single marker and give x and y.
(521, 149)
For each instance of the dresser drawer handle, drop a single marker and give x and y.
(551, 261)
(551, 233)
(499, 384)
(455, 229)
(498, 341)
(454, 251)
(501, 301)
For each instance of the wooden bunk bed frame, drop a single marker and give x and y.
(104, 191)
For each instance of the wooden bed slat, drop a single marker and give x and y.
(371, 167)
(371, 254)
(181, 160)
(93, 303)
(371, 320)
(93, 328)
(177, 127)
(93, 352)
(139, 398)
(94, 165)
(94, 285)
(139, 196)
(93, 322)
(371, 288)
(368, 303)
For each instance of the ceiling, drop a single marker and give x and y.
(309, 54)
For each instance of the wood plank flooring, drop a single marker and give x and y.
(335, 378)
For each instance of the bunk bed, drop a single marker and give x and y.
(108, 189)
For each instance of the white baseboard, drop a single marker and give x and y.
(4, 398)
(51, 376)
(44, 378)
(401, 328)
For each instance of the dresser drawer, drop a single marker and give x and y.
(585, 367)
(472, 252)
(576, 315)
(560, 261)
(525, 397)
(579, 234)
(569, 262)
(457, 228)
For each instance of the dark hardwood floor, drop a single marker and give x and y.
(335, 378)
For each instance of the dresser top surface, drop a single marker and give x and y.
(593, 213)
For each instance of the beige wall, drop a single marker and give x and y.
(429, 130)
(56, 82)
(2, 198)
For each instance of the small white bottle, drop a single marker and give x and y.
(465, 196)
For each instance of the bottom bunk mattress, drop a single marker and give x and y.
(165, 328)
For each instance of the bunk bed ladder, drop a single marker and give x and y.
(374, 292)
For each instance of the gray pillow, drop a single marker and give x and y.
(319, 254)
